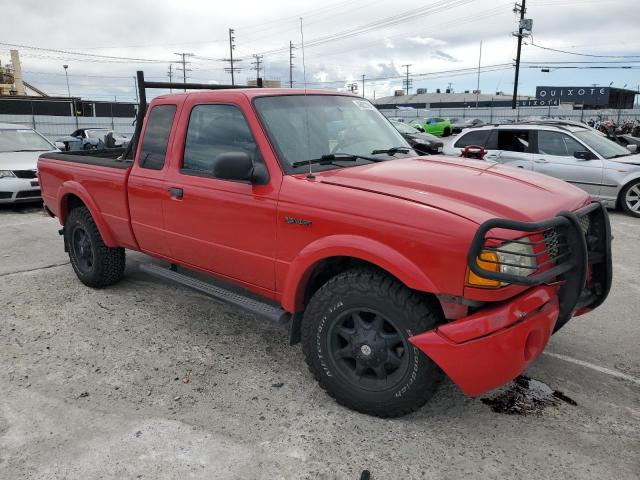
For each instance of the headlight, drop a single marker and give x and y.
(6, 173)
(512, 258)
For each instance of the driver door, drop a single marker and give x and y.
(222, 226)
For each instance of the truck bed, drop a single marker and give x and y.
(103, 158)
(102, 179)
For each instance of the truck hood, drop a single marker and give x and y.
(476, 190)
(19, 160)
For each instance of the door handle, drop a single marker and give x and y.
(540, 160)
(175, 192)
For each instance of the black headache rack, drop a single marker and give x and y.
(143, 85)
(573, 248)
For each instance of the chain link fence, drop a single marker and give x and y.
(54, 127)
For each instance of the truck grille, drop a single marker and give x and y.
(26, 173)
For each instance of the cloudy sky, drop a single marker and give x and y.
(104, 43)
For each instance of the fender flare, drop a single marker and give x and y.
(72, 187)
(354, 246)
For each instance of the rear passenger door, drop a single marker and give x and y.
(512, 147)
(225, 227)
(554, 156)
(146, 187)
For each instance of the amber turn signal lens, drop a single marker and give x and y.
(486, 261)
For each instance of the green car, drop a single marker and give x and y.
(433, 125)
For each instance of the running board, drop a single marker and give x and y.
(265, 310)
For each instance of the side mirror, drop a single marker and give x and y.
(419, 128)
(583, 155)
(632, 148)
(60, 146)
(239, 166)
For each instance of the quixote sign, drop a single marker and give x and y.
(586, 95)
(535, 102)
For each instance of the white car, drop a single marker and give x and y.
(20, 148)
(569, 151)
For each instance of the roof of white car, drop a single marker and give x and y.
(530, 126)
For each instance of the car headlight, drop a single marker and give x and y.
(512, 258)
(6, 174)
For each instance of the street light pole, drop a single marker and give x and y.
(73, 103)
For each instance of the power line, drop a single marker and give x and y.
(81, 54)
(581, 54)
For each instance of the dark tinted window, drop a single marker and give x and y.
(513, 140)
(478, 137)
(156, 136)
(216, 129)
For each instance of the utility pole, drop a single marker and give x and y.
(407, 82)
(184, 68)
(291, 57)
(478, 82)
(257, 62)
(232, 46)
(170, 75)
(363, 86)
(449, 87)
(518, 8)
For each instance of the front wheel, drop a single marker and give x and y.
(630, 198)
(355, 337)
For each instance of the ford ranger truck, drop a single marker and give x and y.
(393, 270)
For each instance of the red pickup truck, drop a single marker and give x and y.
(392, 269)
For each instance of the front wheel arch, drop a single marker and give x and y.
(621, 201)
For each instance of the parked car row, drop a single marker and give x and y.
(19, 150)
(566, 150)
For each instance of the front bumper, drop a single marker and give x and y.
(14, 190)
(492, 346)
(487, 349)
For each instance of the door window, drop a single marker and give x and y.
(479, 137)
(558, 144)
(215, 129)
(156, 137)
(513, 140)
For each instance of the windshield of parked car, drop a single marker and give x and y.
(23, 140)
(98, 134)
(404, 128)
(308, 127)
(602, 145)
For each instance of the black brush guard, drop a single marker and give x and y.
(572, 244)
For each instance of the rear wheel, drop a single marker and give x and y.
(95, 264)
(355, 337)
(446, 132)
(630, 198)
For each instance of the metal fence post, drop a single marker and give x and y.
(33, 116)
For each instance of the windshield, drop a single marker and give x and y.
(602, 145)
(99, 134)
(306, 127)
(404, 128)
(23, 140)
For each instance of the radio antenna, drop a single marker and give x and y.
(306, 107)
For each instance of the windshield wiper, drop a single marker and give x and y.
(31, 150)
(332, 157)
(619, 155)
(392, 150)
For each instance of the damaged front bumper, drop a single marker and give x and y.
(495, 344)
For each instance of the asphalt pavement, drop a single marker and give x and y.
(154, 381)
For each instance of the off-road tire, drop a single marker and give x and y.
(412, 313)
(107, 265)
(623, 198)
